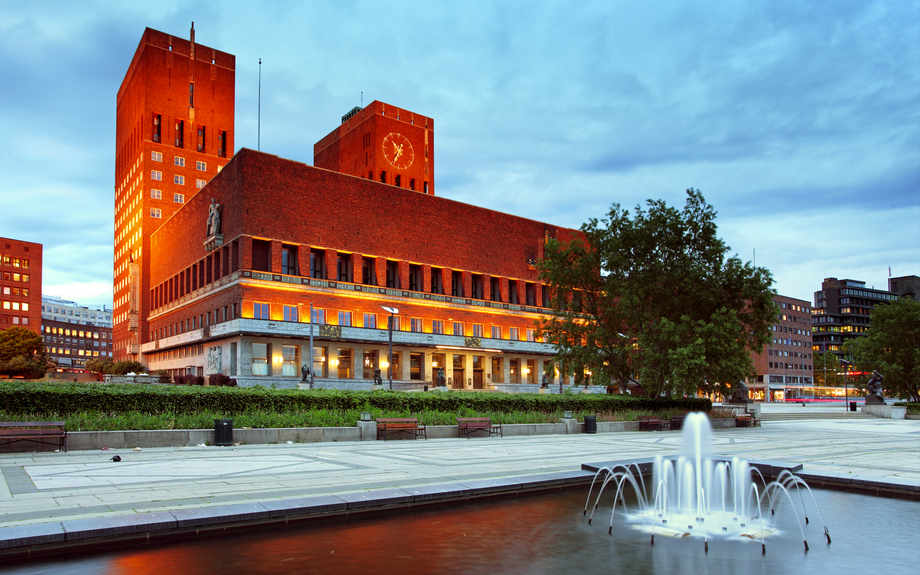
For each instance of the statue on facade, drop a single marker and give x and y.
(543, 383)
(304, 372)
(213, 218)
(441, 377)
(874, 393)
(378, 378)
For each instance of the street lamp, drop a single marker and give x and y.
(846, 382)
(392, 311)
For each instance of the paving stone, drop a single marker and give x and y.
(113, 526)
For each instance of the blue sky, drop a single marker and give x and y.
(798, 120)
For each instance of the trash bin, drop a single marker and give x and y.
(590, 424)
(852, 406)
(223, 432)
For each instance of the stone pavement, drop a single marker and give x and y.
(42, 489)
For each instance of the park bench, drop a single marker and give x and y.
(677, 422)
(44, 432)
(648, 423)
(469, 425)
(394, 425)
(744, 420)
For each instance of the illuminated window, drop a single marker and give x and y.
(458, 328)
(319, 316)
(437, 326)
(260, 358)
(477, 330)
(415, 324)
(496, 332)
(370, 320)
(290, 313)
(514, 334)
(260, 310)
(345, 318)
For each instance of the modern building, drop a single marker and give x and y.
(841, 312)
(905, 286)
(174, 132)
(785, 366)
(273, 254)
(20, 284)
(70, 345)
(66, 311)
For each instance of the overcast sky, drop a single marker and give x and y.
(798, 120)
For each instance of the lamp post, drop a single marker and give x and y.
(392, 311)
(846, 384)
(312, 380)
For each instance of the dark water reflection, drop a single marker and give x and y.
(531, 535)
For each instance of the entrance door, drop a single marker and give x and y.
(477, 379)
(458, 379)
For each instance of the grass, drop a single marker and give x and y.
(260, 419)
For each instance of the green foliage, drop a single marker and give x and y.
(892, 347)
(193, 407)
(653, 294)
(128, 366)
(100, 365)
(22, 353)
(824, 369)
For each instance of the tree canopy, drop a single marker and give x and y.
(891, 346)
(22, 353)
(652, 294)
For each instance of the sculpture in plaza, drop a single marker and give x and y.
(304, 372)
(378, 379)
(740, 393)
(874, 393)
(441, 377)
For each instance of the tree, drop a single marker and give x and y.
(891, 346)
(824, 369)
(653, 294)
(22, 353)
(99, 365)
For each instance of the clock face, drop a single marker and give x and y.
(398, 151)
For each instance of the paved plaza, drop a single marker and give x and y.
(40, 488)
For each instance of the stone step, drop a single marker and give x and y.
(813, 415)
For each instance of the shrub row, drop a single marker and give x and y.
(68, 398)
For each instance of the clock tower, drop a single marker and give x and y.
(381, 143)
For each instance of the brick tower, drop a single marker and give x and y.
(381, 143)
(174, 132)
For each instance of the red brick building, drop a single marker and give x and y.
(20, 284)
(174, 131)
(784, 367)
(381, 143)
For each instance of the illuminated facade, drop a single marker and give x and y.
(786, 362)
(20, 284)
(841, 312)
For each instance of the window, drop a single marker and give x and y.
(318, 264)
(319, 316)
(437, 326)
(530, 335)
(289, 260)
(416, 324)
(456, 283)
(179, 180)
(260, 310)
(513, 292)
(200, 183)
(179, 198)
(411, 183)
(369, 272)
(437, 285)
(392, 274)
(157, 122)
(222, 145)
(202, 166)
(415, 277)
(290, 313)
(343, 267)
(514, 334)
(201, 138)
(476, 285)
(155, 213)
(288, 360)
(383, 176)
(395, 320)
(370, 320)
(179, 161)
(458, 328)
(495, 289)
(477, 330)
(156, 194)
(345, 318)
(156, 156)
(530, 293)
(260, 358)
(156, 175)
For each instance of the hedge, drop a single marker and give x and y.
(69, 398)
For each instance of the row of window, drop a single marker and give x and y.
(179, 161)
(15, 320)
(179, 133)
(73, 332)
(779, 365)
(8, 290)
(397, 180)
(261, 261)
(205, 319)
(16, 305)
(15, 262)
(69, 341)
(261, 310)
(62, 311)
(80, 352)
(783, 353)
(156, 194)
(157, 176)
(785, 329)
(15, 277)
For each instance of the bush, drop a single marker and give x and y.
(128, 366)
(220, 379)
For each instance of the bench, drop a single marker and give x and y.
(44, 432)
(648, 423)
(387, 426)
(469, 425)
(744, 420)
(677, 422)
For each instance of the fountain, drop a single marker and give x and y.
(698, 495)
